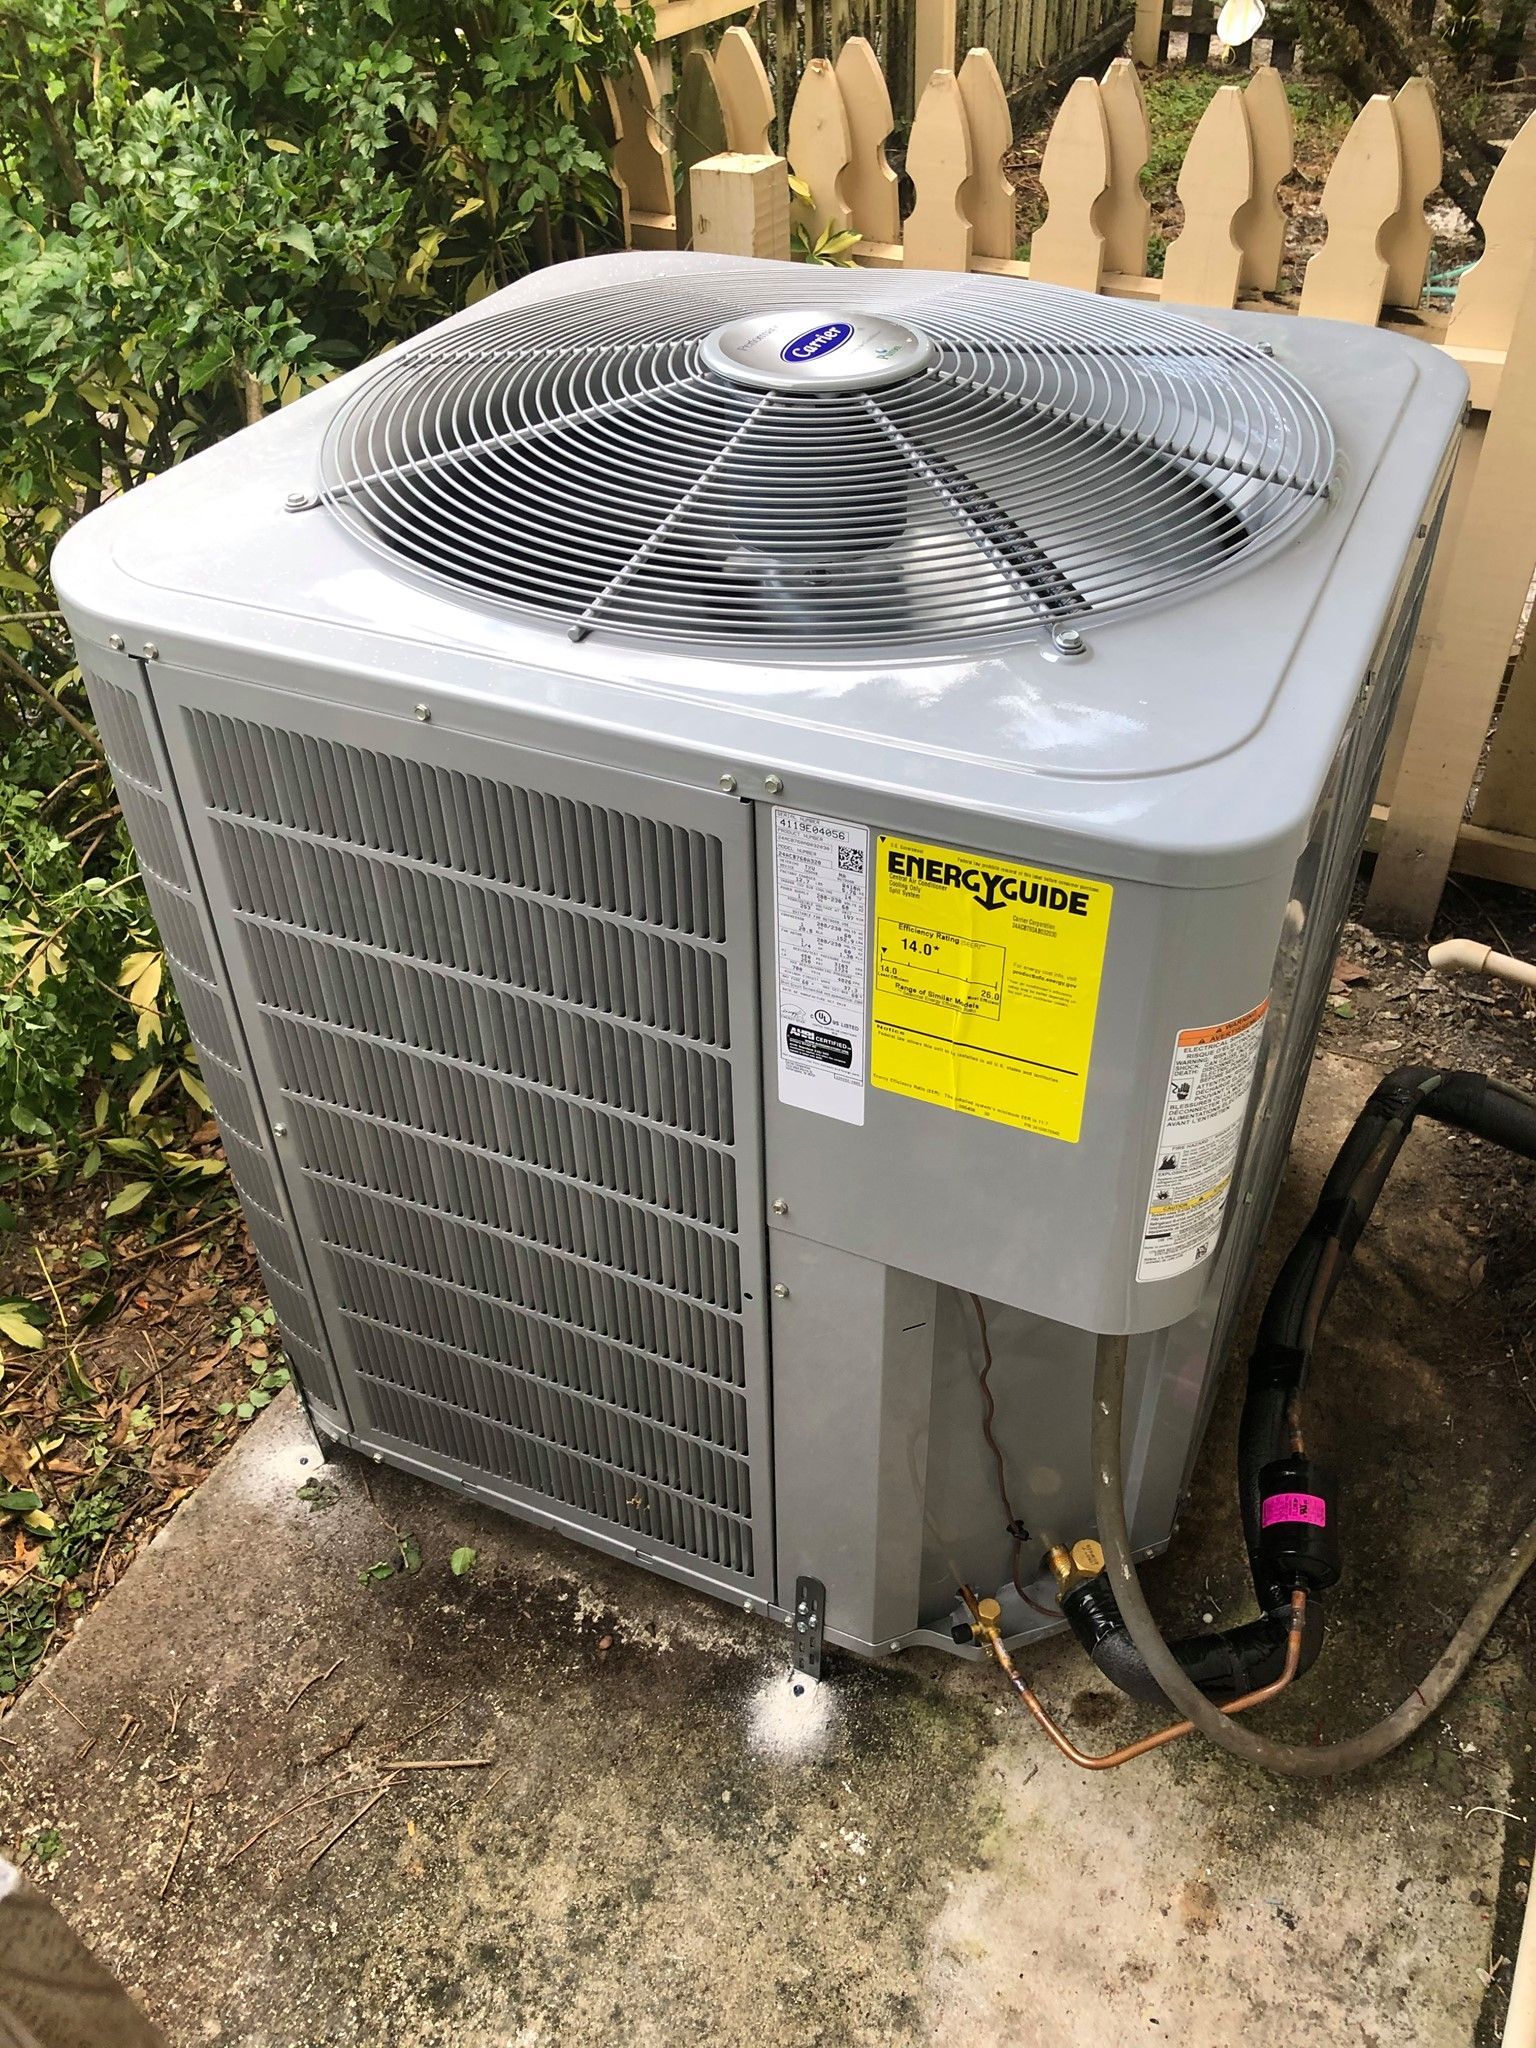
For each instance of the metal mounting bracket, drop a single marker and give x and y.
(809, 1623)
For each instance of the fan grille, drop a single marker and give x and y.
(1056, 460)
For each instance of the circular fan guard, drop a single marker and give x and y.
(1055, 459)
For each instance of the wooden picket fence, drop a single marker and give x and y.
(1032, 40)
(1448, 791)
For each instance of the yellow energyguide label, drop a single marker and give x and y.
(986, 984)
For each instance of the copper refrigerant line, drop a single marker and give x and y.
(985, 1619)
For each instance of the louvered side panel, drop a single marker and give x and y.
(150, 812)
(508, 1007)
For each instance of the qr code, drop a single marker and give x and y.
(850, 859)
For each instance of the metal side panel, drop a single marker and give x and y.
(152, 811)
(503, 1006)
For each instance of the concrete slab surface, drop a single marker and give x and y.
(664, 1846)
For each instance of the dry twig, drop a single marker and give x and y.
(186, 1829)
(318, 1679)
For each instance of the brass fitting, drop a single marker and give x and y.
(1085, 1560)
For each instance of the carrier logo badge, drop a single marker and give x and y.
(818, 341)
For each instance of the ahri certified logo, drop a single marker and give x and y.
(816, 342)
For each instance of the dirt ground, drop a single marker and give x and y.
(630, 1831)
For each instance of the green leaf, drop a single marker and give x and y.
(147, 1086)
(195, 1089)
(127, 1199)
(17, 1327)
(410, 1554)
(275, 142)
(372, 1573)
(462, 1561)
(20, 1501)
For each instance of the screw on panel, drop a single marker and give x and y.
(781, 1292)
(116, 642)
(774, 784)
(779, 1206)
(1069, 640)
(298, 501)
(728, 784)
(424, 713)
(279, 1130)
(151, 651)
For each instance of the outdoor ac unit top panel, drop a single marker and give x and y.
(1187, 743)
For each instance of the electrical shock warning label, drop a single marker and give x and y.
(986, 985)
(1208, 1090)
(821, 928)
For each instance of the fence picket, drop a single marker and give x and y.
(869, 183)
(1068, 248)
(1347, 278)
(938, 234)
(1124, 214)
(1483, 314)
(988, 198)
(820, 147)
(1204, 264)
(1406, 241)
(745, 94)
(698, 131)
(1260, 225)
(642, 166)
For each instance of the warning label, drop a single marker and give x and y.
(821, 928)
(986, 985)
(1208, 1087)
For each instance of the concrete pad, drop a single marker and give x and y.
(666, 1846)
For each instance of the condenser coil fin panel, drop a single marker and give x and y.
(503, 1023)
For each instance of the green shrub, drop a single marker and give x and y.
(205, 211)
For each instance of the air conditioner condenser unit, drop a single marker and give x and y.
(735, 839)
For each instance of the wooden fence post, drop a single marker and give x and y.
(938, 235)
(988, 199)
(53, 1991)
(1124, 214)
(740, 205)
(1506, 796)
(1260, 225)
(1204, 264)
(1347, 278)
(820, 147)
(934, 40)
(874, 204)
(1147, 32)
(1068, 247)
(1487, 578)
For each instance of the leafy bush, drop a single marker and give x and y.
(204, 212)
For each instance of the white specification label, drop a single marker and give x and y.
(1208, 1088)
(821, 922)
